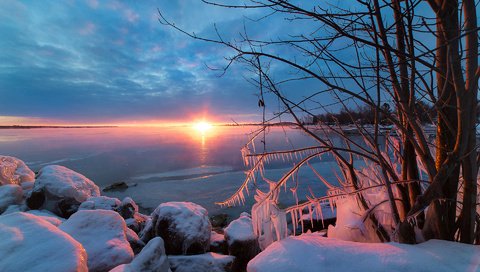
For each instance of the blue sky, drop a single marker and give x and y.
(88, 61)
(112, 62)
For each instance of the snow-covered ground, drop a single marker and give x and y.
(313, 252)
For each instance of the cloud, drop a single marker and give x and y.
(91, 61)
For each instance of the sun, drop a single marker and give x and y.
(202, 126)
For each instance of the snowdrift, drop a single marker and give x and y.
(312, 252)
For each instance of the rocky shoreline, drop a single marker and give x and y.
(87, 231)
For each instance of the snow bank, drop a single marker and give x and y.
(208, 262)
(14, 171)
(312, 252)
(61, 190)
(184, 226)
(10, 194)
(29, 243)
(151, 258)
(103, 234)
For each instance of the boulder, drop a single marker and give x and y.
(14, 171)
(29, 243)
(137, 223)
(10, 194)
(208, 262)
(184, 226)
(242, 242)
(151, 258)
(135, 242)
(103, 235)
(127, 208)
(60, 190)
(219, 221)
(218, 244)
(100, 203)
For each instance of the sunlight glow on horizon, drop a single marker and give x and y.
(202, 126)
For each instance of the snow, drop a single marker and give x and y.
(100, 203)
(103, 234)
(63, 182)
(208, 262)
(29, 243)
(48, 216)
(240, 229)
(14, 171)
(10, 194)
(151, 258)
(311, 252)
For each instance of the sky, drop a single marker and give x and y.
(108, 62)
(113, 62)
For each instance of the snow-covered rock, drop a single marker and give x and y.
(100, 203)
(137, 223)
(48, 216)
(184, 226)
(14, 171)
(15, 208)
(103, 235)
(151, 258)
(218, 244)
(208, 262)
(240, 229)
(312, 252)
(60, 190)
(127, 208)
(242, 242)
(29, 243)
(135, 242)
(10, 194)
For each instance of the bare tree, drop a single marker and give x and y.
(381, 51)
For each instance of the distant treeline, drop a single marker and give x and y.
(366, 115)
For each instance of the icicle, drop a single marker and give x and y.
(310, 214)
(294, 223)
(300, 214)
